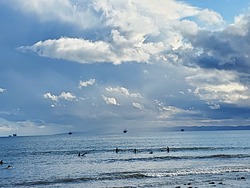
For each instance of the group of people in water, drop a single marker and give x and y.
(135, 150)
(117, 150)
(8, 167)
(83, 154)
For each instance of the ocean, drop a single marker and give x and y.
(195, 159)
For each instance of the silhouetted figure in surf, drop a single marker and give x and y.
(135, 150)
(151, 152)
(116, 150)
(1, 162)
(79, 154)
(8, 167)
(168, 149)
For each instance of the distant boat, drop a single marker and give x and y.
(70, 132)
(14, 134)
(125, 131)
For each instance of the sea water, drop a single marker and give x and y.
(195, 159)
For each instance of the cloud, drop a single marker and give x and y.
(64, 95)
(67, 96)
(10, 126)
(123, 91)
(87, 52)
(240, 27)
(86, 83)
(167, 9)
(213, 105)
(130, 31)
(138, 105)
(226, 49)
(27, 127)
(167, 112)
(2, 90)
(221, 63)
(64, 11)
(227, 93)
(50, 96)
(211, 18)
(5, 126)
(186, 28)
(219, 86)
(73, 49)
(110, 100)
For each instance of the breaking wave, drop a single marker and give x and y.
(134, 175)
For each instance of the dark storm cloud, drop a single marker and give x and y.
(228, 49)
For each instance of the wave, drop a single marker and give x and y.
(101, 177)
(135, 175)
(55, 181)
(198, 172)
(171, 157)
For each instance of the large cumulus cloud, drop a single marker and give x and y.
(130, 31)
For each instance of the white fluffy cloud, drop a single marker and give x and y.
(219, 86)
(110, 100)
(67, 96)
(64, 95)
(138, 105)
(166, 112)
(240, 27)
(86, 83)
(123, 91)
(135, 31)
(2, 90)
(73, 49)
(211, 18)
(85, 51)
(50, 96)
(227, 93)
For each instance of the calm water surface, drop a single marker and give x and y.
(197, 159)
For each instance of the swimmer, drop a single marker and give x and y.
(9, 167)
(1, 162)
(116, 150)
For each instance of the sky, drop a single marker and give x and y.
(102, 66)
